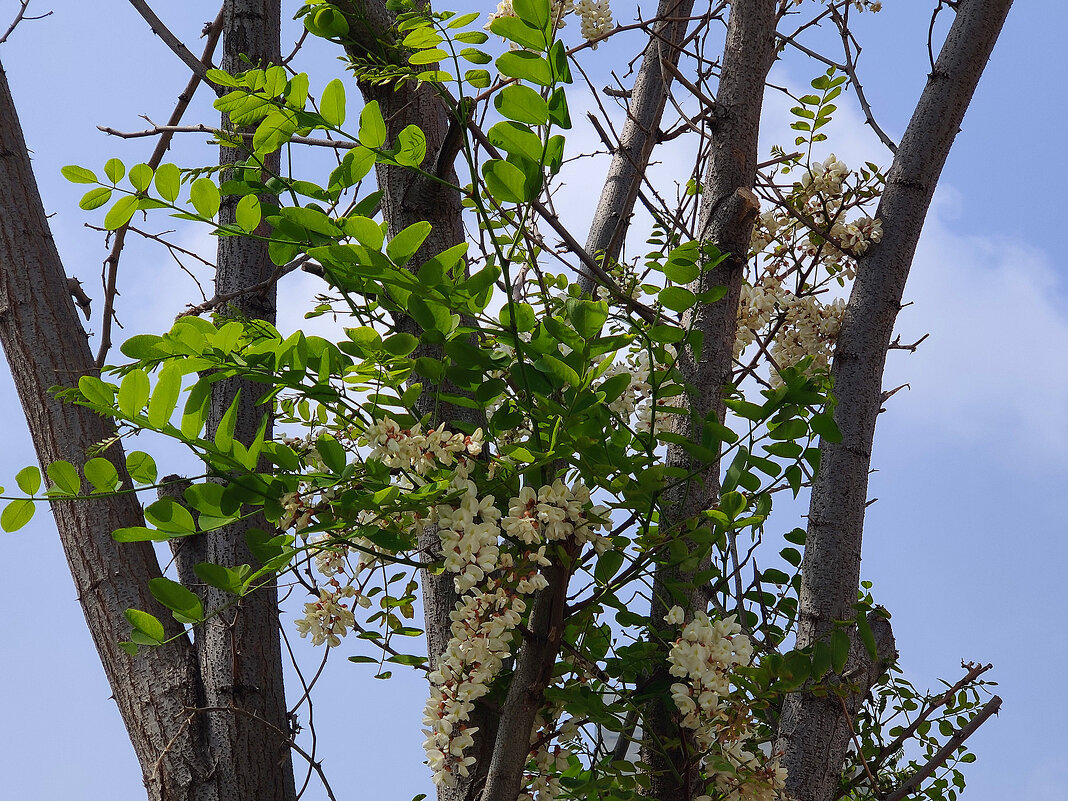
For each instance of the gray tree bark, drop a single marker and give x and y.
(649, 94)
(46, 346)
(810, 735)
(727, 217)
(239, 650)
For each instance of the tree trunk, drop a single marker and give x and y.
(630, 160)
(831, 567)
(727, 217)
(239, 649)
(46, 346)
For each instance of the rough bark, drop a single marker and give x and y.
(727, 217)
(640, 133)
(239, 651)
(407, 199)
(831, 566)
(46, 346)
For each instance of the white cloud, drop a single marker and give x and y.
(992, 368)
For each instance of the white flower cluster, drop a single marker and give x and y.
(637, 398)
(328, 619)
(482, 626)
(704, 656)
(556, 512)
(494, 583)
(800, 325)
(805, 325)
(596, 17)
(470, 536)
(411, 449)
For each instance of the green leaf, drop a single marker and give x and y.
(79, 175)
(168, 182)
(120, 214)
(372, 126)
(839, 649)
(533, 12)
(866, 635)
(165, 395)
(204, 195)
(522, 104)
(133, 392)
(65, 476)
(400, 344)
(505, 181)
(224, 434)
(145, 624)
(274, 131)
(248, 213)
(195, 412)
(17, 514)
(677, 298)
(167, 514)
(186, 607)
(824, 425)
(141, 177)
(222, 578)
(29, 480)
(332, 104)
(515, 138)
(222, 78)
(526, 66)
(403, 246)
(587, 317)
(141, 534)
(114, 169)
(515, 30)
(557, 108)
(607, 566)
(479, 79)
(141, 467)
(101, 474)
(95, 198)
(407, 659)
(430, 316)
(411, 147)
(789, 430)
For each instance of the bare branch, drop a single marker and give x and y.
(23, 6)
(200, 68)
(991, 707)
(111, 263)
(850, 67)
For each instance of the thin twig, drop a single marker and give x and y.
(945, 752)
(286, 736)
(19, 18)
(198, 66)
(850, 67)
(111, 264)
(226, 297)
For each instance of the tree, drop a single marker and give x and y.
(524, 397)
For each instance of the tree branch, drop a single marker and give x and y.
(200, 68)
(111, 263)
(831, 567)
(991, 707)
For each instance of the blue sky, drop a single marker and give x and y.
(965, 544)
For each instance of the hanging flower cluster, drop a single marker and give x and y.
(796, 323)
(495, 584)
(704, 657)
